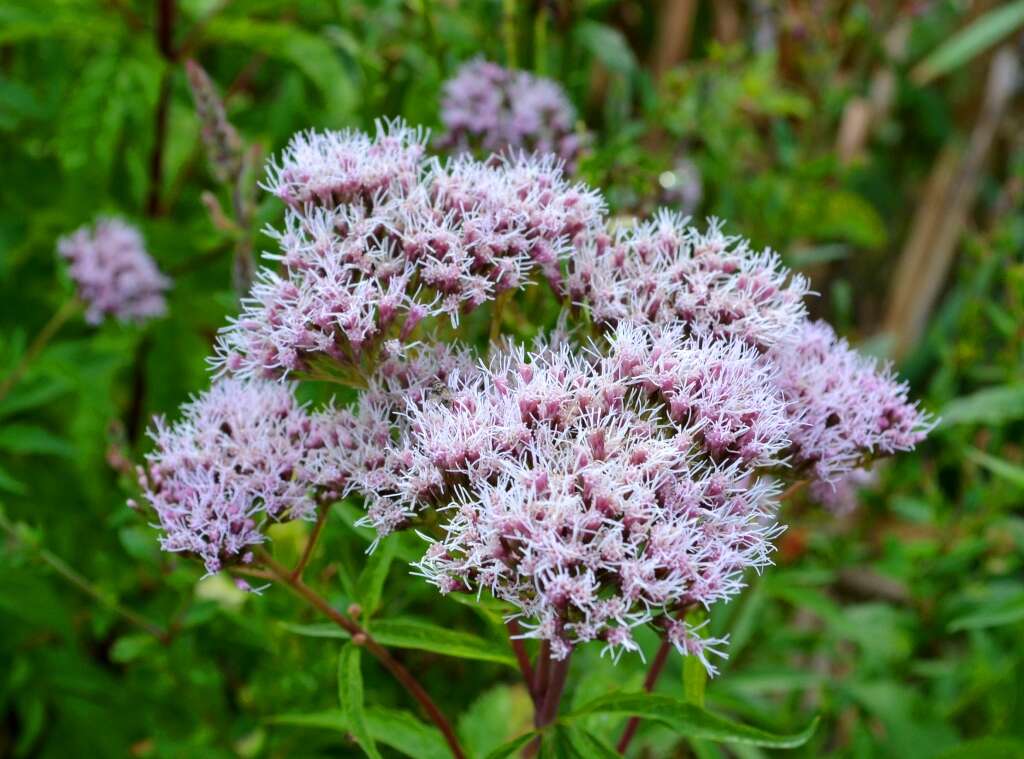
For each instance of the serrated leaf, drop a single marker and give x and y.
(425, 636)
(993, 405)
(350, 693)
(971, 41)
(691, 721)
(29, 439)
(390, 727)
(371, 579)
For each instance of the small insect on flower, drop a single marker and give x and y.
(113, 273)
(489, 109)
(243, 454)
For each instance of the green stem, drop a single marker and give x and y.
(508, 28)
(85, 585)
(60, 316)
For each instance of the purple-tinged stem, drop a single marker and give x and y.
(521, 657)
(649, 682)
(412, 685)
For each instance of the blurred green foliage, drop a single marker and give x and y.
(899, 624)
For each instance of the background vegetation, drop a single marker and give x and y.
(878, 151)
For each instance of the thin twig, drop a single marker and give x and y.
(307, 552)
(521, 657)
(362, 637)
(60, 316)
(81, 582)
(649, 682)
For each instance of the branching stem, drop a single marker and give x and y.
(359, 634)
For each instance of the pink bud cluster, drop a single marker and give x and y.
(490, 109)
(379, 238)
(567, 487)
(663, 271)
(113, 273)
(845, 408)
(244, 453)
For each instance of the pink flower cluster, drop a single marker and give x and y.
(379, 238)
(491, 109)
(243, 453)
(846, 410)
(663, 271)
(113, 273)
(594, 487)
(581, 487)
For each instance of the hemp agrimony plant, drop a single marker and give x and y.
(623, 470)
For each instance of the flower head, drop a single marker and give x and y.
(114, 274)
(564, 487)
(845, 408)
(664, 271)
(490, 109)
(243, 453)
(379, 239)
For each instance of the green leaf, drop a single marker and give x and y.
(969, 42)
(986, 748)
(608, 45)
(691, 721)
(512, 747)
(424, 636)
(10, 484)
(29, 439)
(309, 53)
(1011, 472)
(371, 579)
(417, 635)
(1002, 609)
(317, 630)
(587, 745)
(350, 693)
(695, 678)
(130, 647)
(993, 405)
(497, 716)
(31, 396)
(390, 727)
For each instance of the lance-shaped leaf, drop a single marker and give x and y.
(350, 693)
(690, 720)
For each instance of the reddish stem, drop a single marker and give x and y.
(558, 671)
(521, 657)
(307, 552)
(649, 682)
(540, 673)
(281, 574)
